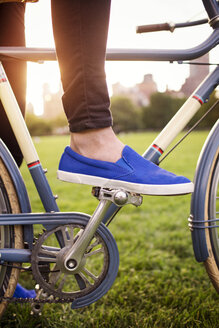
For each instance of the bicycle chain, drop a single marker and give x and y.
(34, 301)
(50, 299)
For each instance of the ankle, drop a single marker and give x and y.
(101, 144)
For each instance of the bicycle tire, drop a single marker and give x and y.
(11, 236)
(212, 233)
(205, 206)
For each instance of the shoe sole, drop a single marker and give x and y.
(158, 190)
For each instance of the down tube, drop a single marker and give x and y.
(182, 117)
(25, 142)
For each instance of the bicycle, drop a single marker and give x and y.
(75, 247)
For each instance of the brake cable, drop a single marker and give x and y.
(190, 130)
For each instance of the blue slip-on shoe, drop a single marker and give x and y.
(21, 292)
(132, 172)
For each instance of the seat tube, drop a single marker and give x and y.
(16, 119)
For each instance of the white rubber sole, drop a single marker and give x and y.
(162, 190)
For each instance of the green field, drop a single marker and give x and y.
(159, 283)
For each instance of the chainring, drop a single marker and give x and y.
(96, 275)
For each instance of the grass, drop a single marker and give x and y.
(159, 283)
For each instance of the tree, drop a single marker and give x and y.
(37, 126)
(161, 109)
(125, 114)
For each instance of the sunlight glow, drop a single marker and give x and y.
(125, 16)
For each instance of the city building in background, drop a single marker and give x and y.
(140, 93)
(52, 102)
(198, 71)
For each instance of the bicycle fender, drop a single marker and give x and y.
(200, 191)
(19, 187)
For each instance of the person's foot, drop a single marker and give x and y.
(131, 172)
(21, 292)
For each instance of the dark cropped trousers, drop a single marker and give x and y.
(80, 32)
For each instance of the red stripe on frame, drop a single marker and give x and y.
(33, 164)
(158, 148)
(199, 99)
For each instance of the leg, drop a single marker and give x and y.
(80, 32)
(12, 27)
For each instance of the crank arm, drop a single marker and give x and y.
(107, 197)
(74, 256)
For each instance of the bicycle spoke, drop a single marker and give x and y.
(49, 252)
(96, 243)
(85, 280)
(46, 259)
(65, 235)
(71, 233)
(46, 256)
(90, 274)
(100, 250)
(54, 276)
(62, 282)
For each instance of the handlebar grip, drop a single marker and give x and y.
(155, 28)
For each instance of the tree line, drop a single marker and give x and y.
(162, 107)
(129, 117)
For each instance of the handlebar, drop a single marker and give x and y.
(155, 28)
(167, 26)
(211, 7)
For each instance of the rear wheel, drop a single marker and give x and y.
(212, 213)
(10, 236)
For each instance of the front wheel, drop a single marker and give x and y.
(212, 233)
(204, 219)
(10, 236)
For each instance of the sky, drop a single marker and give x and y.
(125, 16)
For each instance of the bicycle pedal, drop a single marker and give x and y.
(119, 197)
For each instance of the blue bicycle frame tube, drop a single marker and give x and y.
(212, 8)
(41, 54)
